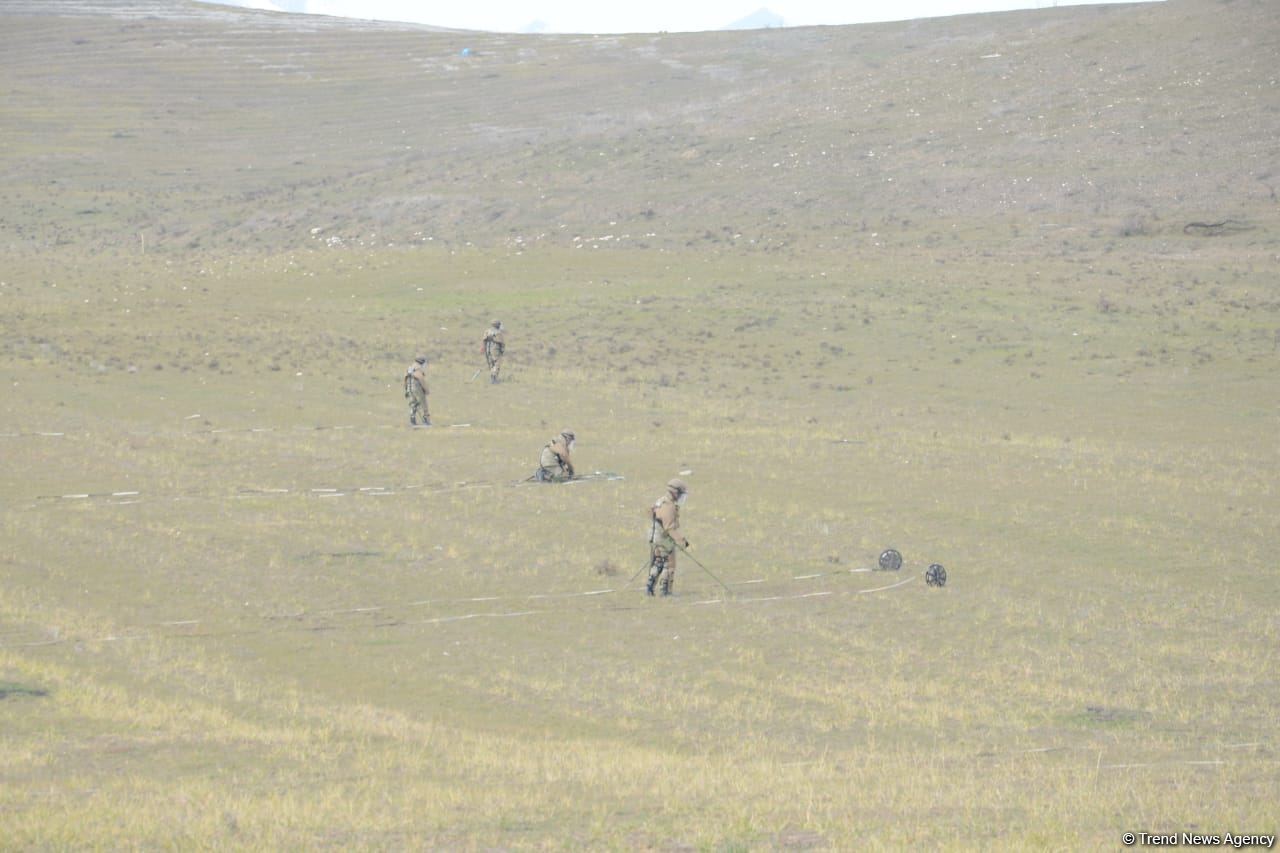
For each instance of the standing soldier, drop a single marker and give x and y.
(555, 464)
(494, 346)
(665, 536)
(415, 391)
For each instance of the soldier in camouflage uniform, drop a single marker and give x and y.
(555, 464)
(494, 347)
(665, 536)
(415, 391)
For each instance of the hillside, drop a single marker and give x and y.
(216, 128)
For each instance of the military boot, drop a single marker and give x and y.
(648, 588)
(666, 586)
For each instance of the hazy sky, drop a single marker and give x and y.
(602, 16)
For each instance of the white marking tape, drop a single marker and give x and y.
(378, 491)
(1156, 764)
(571, 594)
(222, 430)
(882, 588)
(340, 612)
(439, 619)
(460, 617)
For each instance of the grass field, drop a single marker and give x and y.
(243, 605)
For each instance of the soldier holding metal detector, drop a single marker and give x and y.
(415, 391)
(555, 464)
(665, 537)
(494, 347)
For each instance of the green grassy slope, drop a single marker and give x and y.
(280, 618)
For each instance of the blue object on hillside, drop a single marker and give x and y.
(466, 51)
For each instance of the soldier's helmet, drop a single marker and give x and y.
(677, 486)
(422, 359)
(568, 435)
(497, 324)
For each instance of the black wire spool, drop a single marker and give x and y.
(890, 560)
(935, 575)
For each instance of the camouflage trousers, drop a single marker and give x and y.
(662, 566)
(418, 406)
(495, 364)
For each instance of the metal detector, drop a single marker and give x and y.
(698, 563)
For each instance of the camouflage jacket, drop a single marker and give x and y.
(556, 454)
(416, 374)
(666, 522)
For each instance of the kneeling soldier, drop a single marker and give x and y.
(555, 464)
(665, 536)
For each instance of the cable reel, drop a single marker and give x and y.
(935, 575)
(890, 560)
